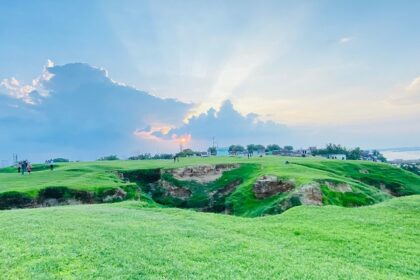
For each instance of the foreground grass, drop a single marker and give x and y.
(126, 241)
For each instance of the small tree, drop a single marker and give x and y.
(259, 148)
(212, 151)
(235, 149)
(186, 153)
(378, 155)
(355, 154)
(250, 148)
(273, 147)
(288, 148)
(111, 157)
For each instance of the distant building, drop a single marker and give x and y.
(221, 152)
(337, 156)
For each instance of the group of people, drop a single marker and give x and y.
(24, 166)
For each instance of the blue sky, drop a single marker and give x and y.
(331, 71)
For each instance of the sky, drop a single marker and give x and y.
(84, 78)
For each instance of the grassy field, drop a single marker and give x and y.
(129, 241)
(370, 182)
(142, 239)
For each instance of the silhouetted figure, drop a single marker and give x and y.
(24, 166)
(19, 167)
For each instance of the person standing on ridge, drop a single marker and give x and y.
(24, 166)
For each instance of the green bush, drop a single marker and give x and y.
(59, 193)
(9, 200)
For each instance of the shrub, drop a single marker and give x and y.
(59, 193)
(61, 160)
(111, 157)
(9, 200)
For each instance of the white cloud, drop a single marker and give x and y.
(18, 91)
(345, 40)
(29, 93)
(227, 125)
(50, 63)
(84, 111)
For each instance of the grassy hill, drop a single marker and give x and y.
(332, 182)
(143, 237)
(128, 241)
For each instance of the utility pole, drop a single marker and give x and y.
(181, 144)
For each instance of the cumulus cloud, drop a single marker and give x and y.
(78, 107)
(227, 125)
(28, 93)
(15, 90)
(77, 110)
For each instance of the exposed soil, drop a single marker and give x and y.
(267, 186)
(173, 191)
(169, 190)
(119, 194)
(310, 194)
(201, 173)
(338, 187)
(384, 189)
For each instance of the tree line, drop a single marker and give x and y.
(251, 148)
(330, 149)
(352, 154)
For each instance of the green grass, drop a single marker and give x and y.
(146, 240)
(127, 241)
(369, 181)
(397, 179)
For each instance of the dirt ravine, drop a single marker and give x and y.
(269, 185)
(201, 173)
